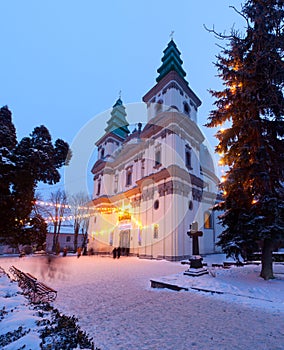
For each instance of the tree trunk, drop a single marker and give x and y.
(266, 260)
(76, 232)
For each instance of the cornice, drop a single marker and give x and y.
(172, 76)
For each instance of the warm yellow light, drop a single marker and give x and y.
(233, 89)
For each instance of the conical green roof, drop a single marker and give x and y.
(171, 61)
(117, 124)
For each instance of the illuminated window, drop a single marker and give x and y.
(156, 231)
(111, 239)
(207, 220)
(139, 236)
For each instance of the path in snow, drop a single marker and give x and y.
(115, 304)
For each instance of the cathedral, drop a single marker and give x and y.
(153, 183)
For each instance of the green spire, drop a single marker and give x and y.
(171, 61)
(117, 124)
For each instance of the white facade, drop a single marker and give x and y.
(151, 185)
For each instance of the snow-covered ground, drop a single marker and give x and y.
(116, 306)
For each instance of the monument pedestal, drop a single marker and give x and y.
(196, 267)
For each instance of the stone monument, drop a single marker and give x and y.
(196, 267)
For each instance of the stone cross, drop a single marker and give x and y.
(172, 34)
(194, 234)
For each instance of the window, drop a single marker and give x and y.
(159, 106)
(207, 220)
(156, 204)
(142, 168)
(99, 188)
(140, 236)
(115, 183)
(111, 239)
(156, 231)
(158, 158)
(129, 177)
(102, 153)
(174, 107)
(68, 239)
(188, 157)
(186, 108)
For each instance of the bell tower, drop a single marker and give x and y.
(172, 91)
(115, 132)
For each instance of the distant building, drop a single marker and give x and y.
(65, 238)
(152, 184)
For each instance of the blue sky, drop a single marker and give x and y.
(63, 62)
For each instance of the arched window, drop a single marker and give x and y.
(99, 188)
(159, 106)
(140, 236)
(128, 177)
(156, 231)
(111, 238)
(188, 157)
(157, 158)
(207, 220)
(186, 108)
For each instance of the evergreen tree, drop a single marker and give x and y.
(23, 165)
(8, 141)
(252, 69)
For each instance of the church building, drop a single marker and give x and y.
(152, 184)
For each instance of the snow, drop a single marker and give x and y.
(19, 314)
(116, 306)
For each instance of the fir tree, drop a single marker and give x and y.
(252, 69)
(23, 165)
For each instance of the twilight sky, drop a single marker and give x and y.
(64, 62)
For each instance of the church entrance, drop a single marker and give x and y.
(124, 242)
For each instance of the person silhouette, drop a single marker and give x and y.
(118, 252)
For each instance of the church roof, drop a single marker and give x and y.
(117, 124)
(171, 61)
(171, 70)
